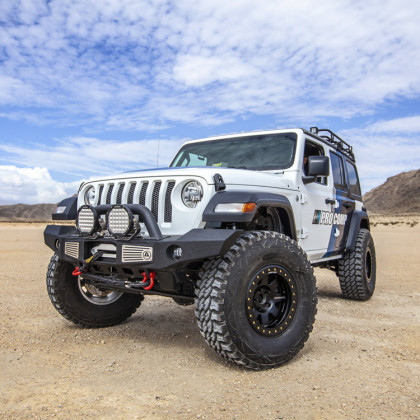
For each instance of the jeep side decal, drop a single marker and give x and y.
(328, 218)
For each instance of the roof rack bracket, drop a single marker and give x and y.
(334, 140)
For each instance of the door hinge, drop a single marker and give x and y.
(303, 198)
(303, 233)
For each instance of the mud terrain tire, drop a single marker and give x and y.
(85, 309)
(256, 306)
(357, 269)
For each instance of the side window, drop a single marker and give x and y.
(354, 185)
(338, 171)
(313, 149)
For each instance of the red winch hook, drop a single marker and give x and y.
(76, 272)
(152, 279)
(87, 263)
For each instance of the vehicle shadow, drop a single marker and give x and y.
(330, 294)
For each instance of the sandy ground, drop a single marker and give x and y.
(361, 361)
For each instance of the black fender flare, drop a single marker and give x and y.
(357, 218)
(261, 199)
(70, 211)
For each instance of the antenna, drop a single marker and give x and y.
(158, 145)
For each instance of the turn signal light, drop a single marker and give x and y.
(248, 207)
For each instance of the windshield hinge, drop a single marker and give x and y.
(219, 184)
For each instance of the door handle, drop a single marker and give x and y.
(347, 205)
(329, 201)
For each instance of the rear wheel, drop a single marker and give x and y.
(256, 305)
(357, 269)
(84, 304)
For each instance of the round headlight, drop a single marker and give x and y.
(119, 221)
(192, 194)
(87, 221)
(90, 196)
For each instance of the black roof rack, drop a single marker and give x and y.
(334, 140)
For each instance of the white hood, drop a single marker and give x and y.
(230, 176)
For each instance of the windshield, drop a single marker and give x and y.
(258, 152)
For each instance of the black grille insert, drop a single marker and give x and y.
(131, 193)
(168, 203)
(108, 195)
(101, 188)
(142, 199)
(120, 193)
(155, 200)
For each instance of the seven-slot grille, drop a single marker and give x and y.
(155, 195)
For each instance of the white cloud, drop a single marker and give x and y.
(79, 62)
(32, 186)
(127, 65)
(405, 125)
(82, 157)
(382, 150)
(198, 70)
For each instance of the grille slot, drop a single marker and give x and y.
(142, 199)
(72, 249)
(101, 188)
(120, 193)
(109, 193)
(131, 193)
(168, 203)
(155, 200)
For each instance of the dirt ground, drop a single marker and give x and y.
(361, 360)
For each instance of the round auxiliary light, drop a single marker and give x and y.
(87, 220)
(192, 194)
(119, 220)
(90, 196)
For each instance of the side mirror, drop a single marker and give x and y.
(317, 166)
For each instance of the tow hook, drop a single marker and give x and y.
(152, 279)
(146, 284)
(87, 263)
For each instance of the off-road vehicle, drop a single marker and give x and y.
(235, 226)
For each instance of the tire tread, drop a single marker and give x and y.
(210, 305)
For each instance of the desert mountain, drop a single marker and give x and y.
(27, 212)
(398, 194)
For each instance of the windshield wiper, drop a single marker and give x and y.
(238, 167)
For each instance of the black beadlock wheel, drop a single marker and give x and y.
(271, 301)
(357, 269)
(84, 304)
(256, 306)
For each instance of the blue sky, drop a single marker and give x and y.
(88, 87)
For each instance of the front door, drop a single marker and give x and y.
(316, 200)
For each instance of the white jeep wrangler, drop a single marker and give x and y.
(234, 225)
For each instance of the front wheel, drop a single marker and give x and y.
(256, 306)
(84, 304)
(357, 269)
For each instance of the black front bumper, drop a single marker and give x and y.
(197, 245)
